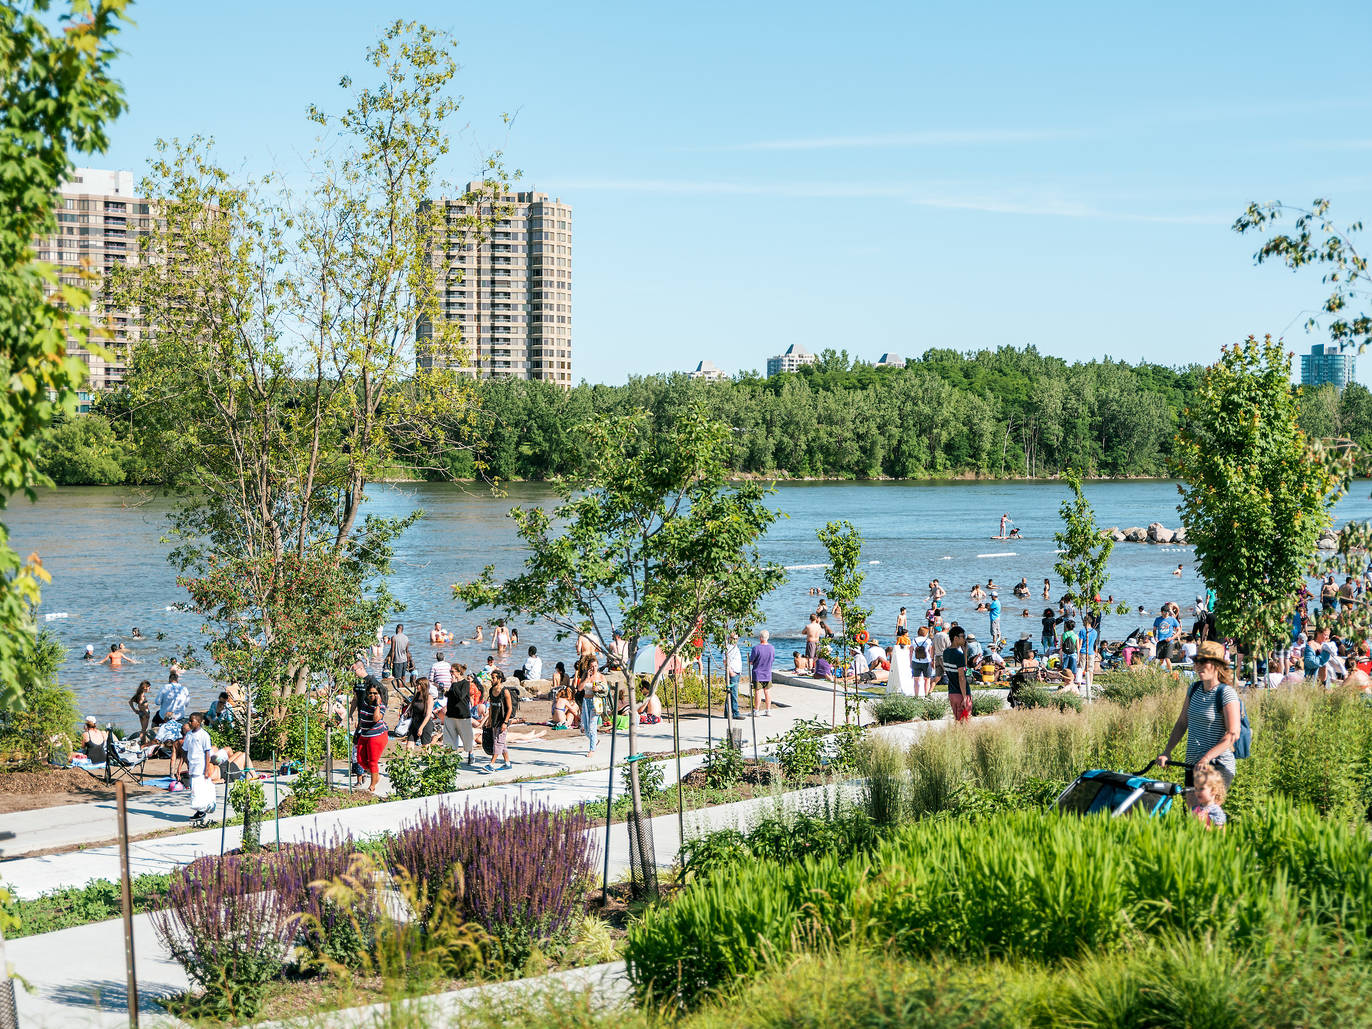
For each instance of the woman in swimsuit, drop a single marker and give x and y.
(138, 704)
(564, 711)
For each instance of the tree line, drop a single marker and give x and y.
(1005, 413)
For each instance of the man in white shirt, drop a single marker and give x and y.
(942, 642)
(733, 671)
(533, 667)
(875, 651)
(861, 666)
(172, 701)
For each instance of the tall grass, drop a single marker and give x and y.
(1309, 746)
(885, 796)
(1023, 886)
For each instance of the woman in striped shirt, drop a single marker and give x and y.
(371, 735)
(1209, 717)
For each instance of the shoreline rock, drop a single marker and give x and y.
(1155, 533)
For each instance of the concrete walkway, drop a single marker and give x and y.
(77, 974)
(75, 825)
(29, 877)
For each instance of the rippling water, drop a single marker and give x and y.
(103, 547)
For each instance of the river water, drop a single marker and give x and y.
(104, 549)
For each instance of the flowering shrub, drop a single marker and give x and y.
(325, 933)
(525, 872)
(228, 929)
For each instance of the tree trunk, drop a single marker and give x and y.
(635, 793)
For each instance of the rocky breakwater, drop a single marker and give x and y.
(1155, 533)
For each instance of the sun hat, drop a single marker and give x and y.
(1025, 636)
(1210, 650)
(90, 719)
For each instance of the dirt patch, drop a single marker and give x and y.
(334, 802)
(761, 774)
(53, 787)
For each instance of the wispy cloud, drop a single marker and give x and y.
(954, 137)
(989, 202)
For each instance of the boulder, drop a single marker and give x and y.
(1180, 535)
(1135, 535)
(1116, 535)
(1158, 533)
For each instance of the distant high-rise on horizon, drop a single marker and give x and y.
(98, 222)
(708, 371)
(791, 361)
(508, 286)
(1327, 365)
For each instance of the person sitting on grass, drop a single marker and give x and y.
(823, 669)
(220, 713)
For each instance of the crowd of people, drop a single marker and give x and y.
(472, 710)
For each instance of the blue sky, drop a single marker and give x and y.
(880, 177)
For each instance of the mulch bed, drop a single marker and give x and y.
(51, 787)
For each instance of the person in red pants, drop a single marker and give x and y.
(371, 735)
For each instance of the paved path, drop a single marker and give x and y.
(28, 877)
(78, 974)
(75, 825)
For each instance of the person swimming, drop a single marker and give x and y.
(117, 656)
(89, 655)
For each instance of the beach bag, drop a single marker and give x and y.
(1069, 645)
(202, 794)
(488, 740)
(622, 723)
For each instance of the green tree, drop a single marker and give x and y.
(58, 98)
(1319, 412)
(652, 540)
(845, 576)
(83, 451)
(278, 379)
(1255, 494)
(26, 734)
(1318, 240)
(1083, 559)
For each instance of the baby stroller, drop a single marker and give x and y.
(1120, 793)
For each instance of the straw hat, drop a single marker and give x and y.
(1212, 651)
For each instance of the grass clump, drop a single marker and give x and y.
(1024, 886)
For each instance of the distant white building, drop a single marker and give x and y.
(706, 370)
(791, 361)
(889, 360)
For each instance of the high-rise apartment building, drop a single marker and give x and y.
(98, 221)
(791, 361)
(708, 371)
(1327, 365)
(510, 290)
